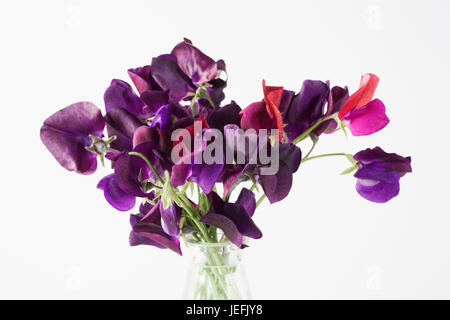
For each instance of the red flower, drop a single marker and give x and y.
(265, 114)
(363, 115)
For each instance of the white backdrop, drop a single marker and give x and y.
(60, 239)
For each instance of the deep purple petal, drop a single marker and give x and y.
(374, 172)
(385, 160)
(194, 63)
(156, 233)
(291, 155)
(306, 108)
(180, 173)
(142, 79)
(227, 225)
(170, 218)
(277, 186)
(154, 100)
(247, 200)
(126, 173)
(121, 95)
(377, 191)
(226, 115)
(169, 76)
(206, 175)
(163, 118)
(115, 196)
(337, 98)
(242, 220)
(122, 124)
(66, 134)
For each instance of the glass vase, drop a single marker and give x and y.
(216, 272)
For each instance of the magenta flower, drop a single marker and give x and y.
(379, 174)
(66, 134)
(360, 113)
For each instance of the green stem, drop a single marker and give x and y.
(324, 155)
(308, 131)
(260, 200)
(140, 155)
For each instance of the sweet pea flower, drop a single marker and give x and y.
(205, 175)
(67, 133)
(379, 174)
(235, 219)
(147, 229)
(265, 114)
(360, 113)
(187, 69)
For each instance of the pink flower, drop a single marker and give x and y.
(360, 113)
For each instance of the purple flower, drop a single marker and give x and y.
(195, 64)
(379, 174)
(147, 229)
(186, 69)
(122, 124)
(121, 95)
(66, 136)
(306, 107)
(235, 219)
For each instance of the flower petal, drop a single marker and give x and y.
(367, 119)
(277, 186)
(169, 76)
(227, 225)
(66, 134)
(242, 220)
(362, 96)
(170, 218)
(121, 95)
(115, 196)
(377, 191)
(122, 124)
(194, 63)
(255, 116)
(306, 108)
(247, 200)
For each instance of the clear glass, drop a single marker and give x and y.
(216, 272)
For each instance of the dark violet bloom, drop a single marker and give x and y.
(195, 64)
(205, 175)
(147, 229)
(186, 69)
(170, 218)
(379, 174)
(235, 219)
(122, 124)
(336, 99)
(115, 196)
(130, 173)
(170, 77)
(66, 136)
(143, 80)
(360, 113)
(306, 107)
(225, 115)
(121, 95)
(277, 186)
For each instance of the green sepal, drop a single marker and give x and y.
(349, 170)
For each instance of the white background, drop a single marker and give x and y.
(60, 239)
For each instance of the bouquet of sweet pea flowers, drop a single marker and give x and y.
(173, 145)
